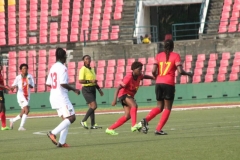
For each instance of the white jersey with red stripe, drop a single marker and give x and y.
(23, 86)
(58, 95)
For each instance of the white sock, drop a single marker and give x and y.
(61, 126)
(63, 135)
(24, 117)
(16, 118)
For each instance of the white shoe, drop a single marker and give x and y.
(11, 123)
(21, 129)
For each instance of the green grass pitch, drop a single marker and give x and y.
(210, 134)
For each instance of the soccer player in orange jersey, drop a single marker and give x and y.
(166, 63)
(2, 102)
(24, 82)
(125, 93)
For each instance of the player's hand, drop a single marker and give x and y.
(101, 92)
(153, 78)
(190, 74)
(77, 91)
(8, 88)
(93, 81)
(114, 102)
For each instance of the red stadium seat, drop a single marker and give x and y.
(71, 79)
(71, 65)
(187, 65)
(63, 38)
(121, 62)
(120, 69)
(149, 67)
(199, 64)
(110, 77)
(237, 55)
(41, 81)
(210, 71)
(106, 16)
(151, 60)
(222, 70)
(221, 77)
(42, 67)
(42, 53)
(117, 83)
(71, 72)
(128, 69)
(93, 64)
(12, 55)
(52, 53)
(32, 40)
(108, 84)
(112, 63)
(212, 63)
(183, 79)
(80, 64)
(208, 78)
(235, 69)
(100, 77)
(110, 70)
(42, 60)
(130, 61)
(236, 62)
(21, 61)
(213, 56)
(100, 70)
(117, 16)
(196, 79)
(201, 57)
(224, 63)
(197, 72)
(22, 34)
(78, 85)
(101, 63)
(108, 10)
(226, 55)
(147, 82)
(118, 76)
(43, 40)
(41, 88)
(12, 75)
(22, 40)
(22, 54)
(233, 77)
(12, 68)
(41, 73)
(12, 41)
(142, 60)
(2, 42)
(51, 59)
(32, 60)
(118, 8)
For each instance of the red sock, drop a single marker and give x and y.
(163, 119)
(153, 113)
(133, 114)
(119, 122)
(3, 119)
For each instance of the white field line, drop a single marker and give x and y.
(141, 111)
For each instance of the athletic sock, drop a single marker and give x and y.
(16, 118)
(133, 114)
(92, 116)
(63, 135)
(24, 117)
(89, 112)
(153, 113)
(61, 126)
(163, 119)
(3, 119)
(118, 123)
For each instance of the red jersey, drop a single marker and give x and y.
(166, 70)
(1, 82)
(131, 85)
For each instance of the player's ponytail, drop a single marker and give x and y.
(168, 48)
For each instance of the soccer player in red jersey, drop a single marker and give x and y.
(125, 93)
(2, 101)
(166, 63)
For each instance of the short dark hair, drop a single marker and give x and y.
(23, 65)
(85, 56)
(60, 54)
(136, 65)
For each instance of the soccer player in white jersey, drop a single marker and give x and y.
(24, 82)
(58, 81)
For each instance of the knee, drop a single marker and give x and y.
(72, 118)
(128, 116)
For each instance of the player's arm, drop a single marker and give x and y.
(31, 84)
(155, 70)
(64, 82)
(5, 87)
(148, 77)
(14, 85)
(114, 102)
(99, 90)
(180, 68)
(70, 88)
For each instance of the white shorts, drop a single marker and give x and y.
(23, 102)
(66, 111)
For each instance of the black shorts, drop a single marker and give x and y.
(2, 99)
(122, 98)
(89, 93)
(164, 91)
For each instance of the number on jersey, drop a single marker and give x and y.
(164, 65)
(54, 80)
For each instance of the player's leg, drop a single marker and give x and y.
(3, 117)
(90, 97)
(120, 121)
(23, 115)
(133, 112)
(169, 92)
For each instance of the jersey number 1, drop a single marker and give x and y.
(54, 80)
(161, 71)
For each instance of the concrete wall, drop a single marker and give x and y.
(120, 51)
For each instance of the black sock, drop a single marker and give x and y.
(92, 116)
(89, 112)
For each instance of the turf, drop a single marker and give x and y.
(193, 134)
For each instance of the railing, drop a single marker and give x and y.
(136, 14)
(187, 31)
(203, 14)
(125, 33)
